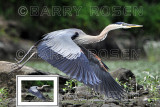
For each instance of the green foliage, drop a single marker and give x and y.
(151, 83)
(2, 32)
(38, 25)
(152, 49)
(3, 96)
(70, 85)
(127, 85)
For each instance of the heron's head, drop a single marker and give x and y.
(118, 25)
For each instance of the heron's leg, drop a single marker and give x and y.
(27, 60)
(18, 62)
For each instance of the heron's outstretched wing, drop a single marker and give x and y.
(108, 86)
(60, 51)
(36, 92)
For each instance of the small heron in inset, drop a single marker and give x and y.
(63, 49)
(35, 90)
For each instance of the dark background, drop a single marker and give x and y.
(28, 84)
(22, 31)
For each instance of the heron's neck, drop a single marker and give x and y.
(39, 88)
(104, 33)
(88, 39)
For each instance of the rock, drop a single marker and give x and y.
(139, 87)
(110, 100)
(69, 96)
(142, 101)
(12, 102)
(26, 97)
(123, 75)
(67, 105)
(126, 76)
(86, 92)
(82, 92)
(132, 95)
(110, 105)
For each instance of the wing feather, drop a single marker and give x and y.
(61, 52)
(108, 86)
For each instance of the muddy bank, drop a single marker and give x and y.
(81, 95)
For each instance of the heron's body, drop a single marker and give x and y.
(35, 90)
(63, 49)
(62, 52)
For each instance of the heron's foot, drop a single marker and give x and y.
(17, 61)
(16, 67)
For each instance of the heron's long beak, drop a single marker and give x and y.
(46, 85)
(134, 25)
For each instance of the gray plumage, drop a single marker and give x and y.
(36, 92)
(63, 50)
(77, 62)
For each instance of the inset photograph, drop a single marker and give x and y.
(37, 90)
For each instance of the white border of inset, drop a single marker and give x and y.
(19, 78)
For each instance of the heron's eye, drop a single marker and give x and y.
(124, 24)
(75, 35)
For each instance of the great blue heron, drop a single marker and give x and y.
(35, 90)
(63, 50)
